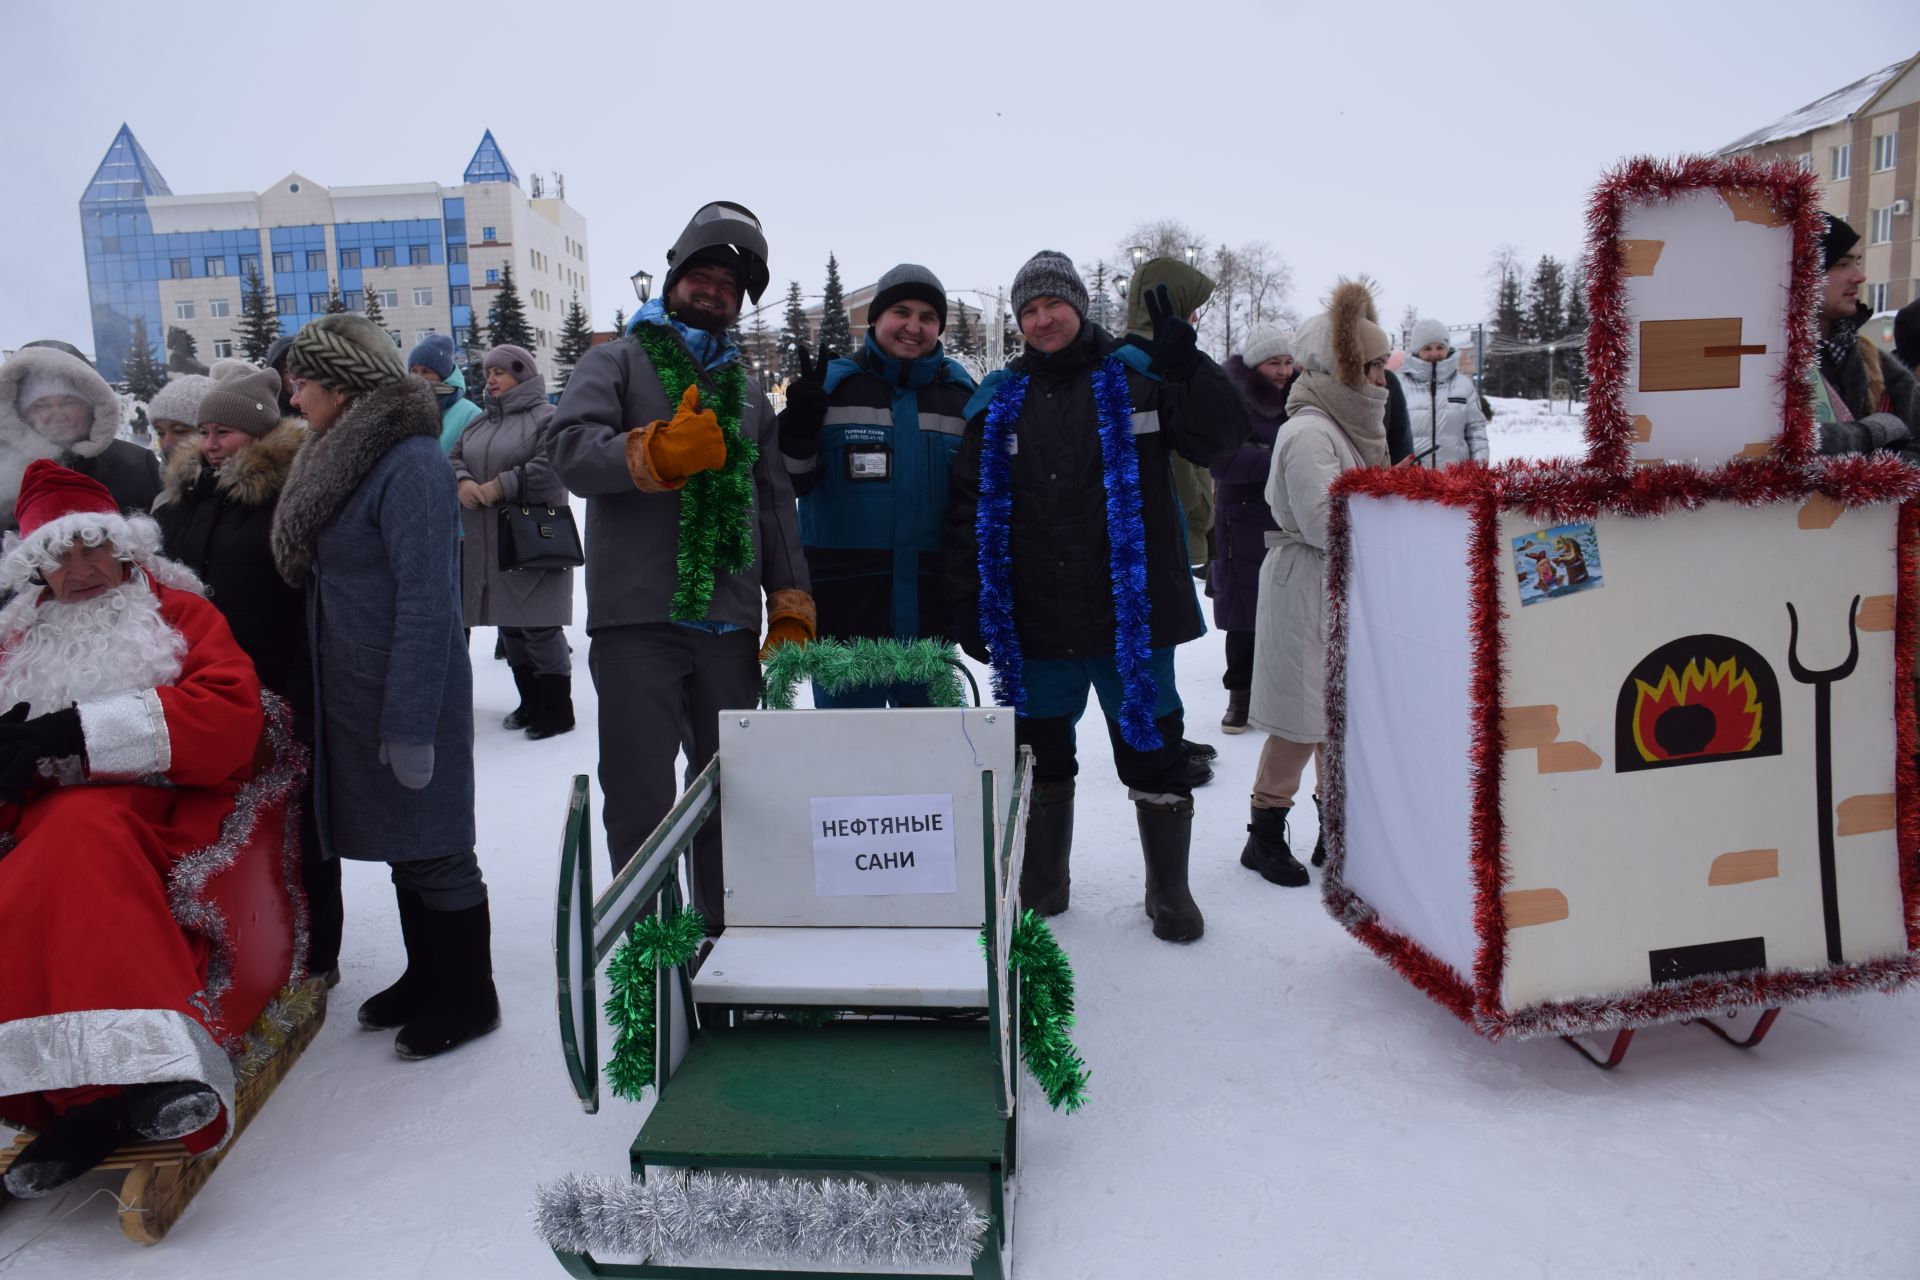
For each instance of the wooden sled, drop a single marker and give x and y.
(162, 1177)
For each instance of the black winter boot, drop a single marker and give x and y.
(71, 1145)
(1166, 831)
(463, 1003)
(1199, 772)
(1044, 876)
(1235, 721)
(174, 1109)
(523, 680)
(1267, 850)
(1320, 841)
(552, 707)
(1199, 750)
(401, 1001)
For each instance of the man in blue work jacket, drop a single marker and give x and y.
(869, 440)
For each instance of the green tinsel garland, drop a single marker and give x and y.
(716, 507)
(1046, 1013)
(653, 944)
(842, 665)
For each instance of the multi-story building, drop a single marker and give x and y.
(1863, 141)
(434, 255)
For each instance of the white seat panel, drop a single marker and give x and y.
(913, 967)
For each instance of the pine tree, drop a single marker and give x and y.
(476, 353)
(1509, 324)
(576, 339)
(142, 373)
(1576, 322)
(761, 351)
(963, 340)
(619, 322)
(1546, 318)
(508, 319)
(836, 329)
(259, 326)
(373, 312)
(336, 305)
(793, 334)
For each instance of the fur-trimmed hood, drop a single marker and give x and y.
(331, 466)
(15, 430)
(1265, 399)
(251, 477)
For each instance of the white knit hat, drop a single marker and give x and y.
(1427, 330)
(1264, 343)
(179, 400)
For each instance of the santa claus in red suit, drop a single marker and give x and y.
(134, 719)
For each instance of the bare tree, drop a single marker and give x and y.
(1251, 287)
(1502, 262)
(1161, 238)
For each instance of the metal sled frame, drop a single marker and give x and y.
(711, 1049)
(1623, 1039)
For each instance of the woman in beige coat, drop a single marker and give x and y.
(1336, 420)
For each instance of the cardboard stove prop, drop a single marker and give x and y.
(1649, 716)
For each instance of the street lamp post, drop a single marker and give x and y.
(1193, 254)
(643, 285)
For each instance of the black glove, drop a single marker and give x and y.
(806, 410)
(1175, 346)
(25, 743)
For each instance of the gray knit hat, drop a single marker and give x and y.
(345, 352)
(242, 397)
(1427, 330)
(1049, 274)
(516, 362)
(1264, 343)
(909, 280)
(179, 400)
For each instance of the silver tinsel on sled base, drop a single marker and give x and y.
(698, 1216)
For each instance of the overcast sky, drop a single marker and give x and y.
(1403, 141)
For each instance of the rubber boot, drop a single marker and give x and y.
(552, 707)
(174, 1109)
(523, 680)
(71, 1145)
(464, 1004)
(1320, 841)
(1267, 850)
(401, 1001)
(1235, 721)
(1045, 877)
(1166, 831)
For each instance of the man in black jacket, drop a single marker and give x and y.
(1864, 399)
(1067, 566)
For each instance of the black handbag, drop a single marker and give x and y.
(539, 538)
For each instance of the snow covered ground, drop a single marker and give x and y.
(1269, 1101)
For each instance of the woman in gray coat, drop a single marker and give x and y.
(501, 458)
(367, 525)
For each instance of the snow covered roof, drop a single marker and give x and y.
(1835, 107)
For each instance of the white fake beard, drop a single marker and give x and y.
(114, 643)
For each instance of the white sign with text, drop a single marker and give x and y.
(868, 845)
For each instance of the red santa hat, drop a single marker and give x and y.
(58, 506)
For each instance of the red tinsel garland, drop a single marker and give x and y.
(1793, 194)
(1486, 826)
(1906, 731)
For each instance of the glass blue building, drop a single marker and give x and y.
(181, 262)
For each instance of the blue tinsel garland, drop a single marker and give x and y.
(1127, 557)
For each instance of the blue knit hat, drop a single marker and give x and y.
(436, 353)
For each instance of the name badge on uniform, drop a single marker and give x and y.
(869, 462)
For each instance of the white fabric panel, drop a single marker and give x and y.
(1711, 267)
(1632, 852)
(126, 735)
(840, 968)
(772, 765)
(1408, 799)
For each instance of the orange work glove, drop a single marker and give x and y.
(790, 620)
(661, 455)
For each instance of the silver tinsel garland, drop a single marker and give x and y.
(696, 1216)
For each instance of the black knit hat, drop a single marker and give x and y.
(1836, 241)
(909, 280)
